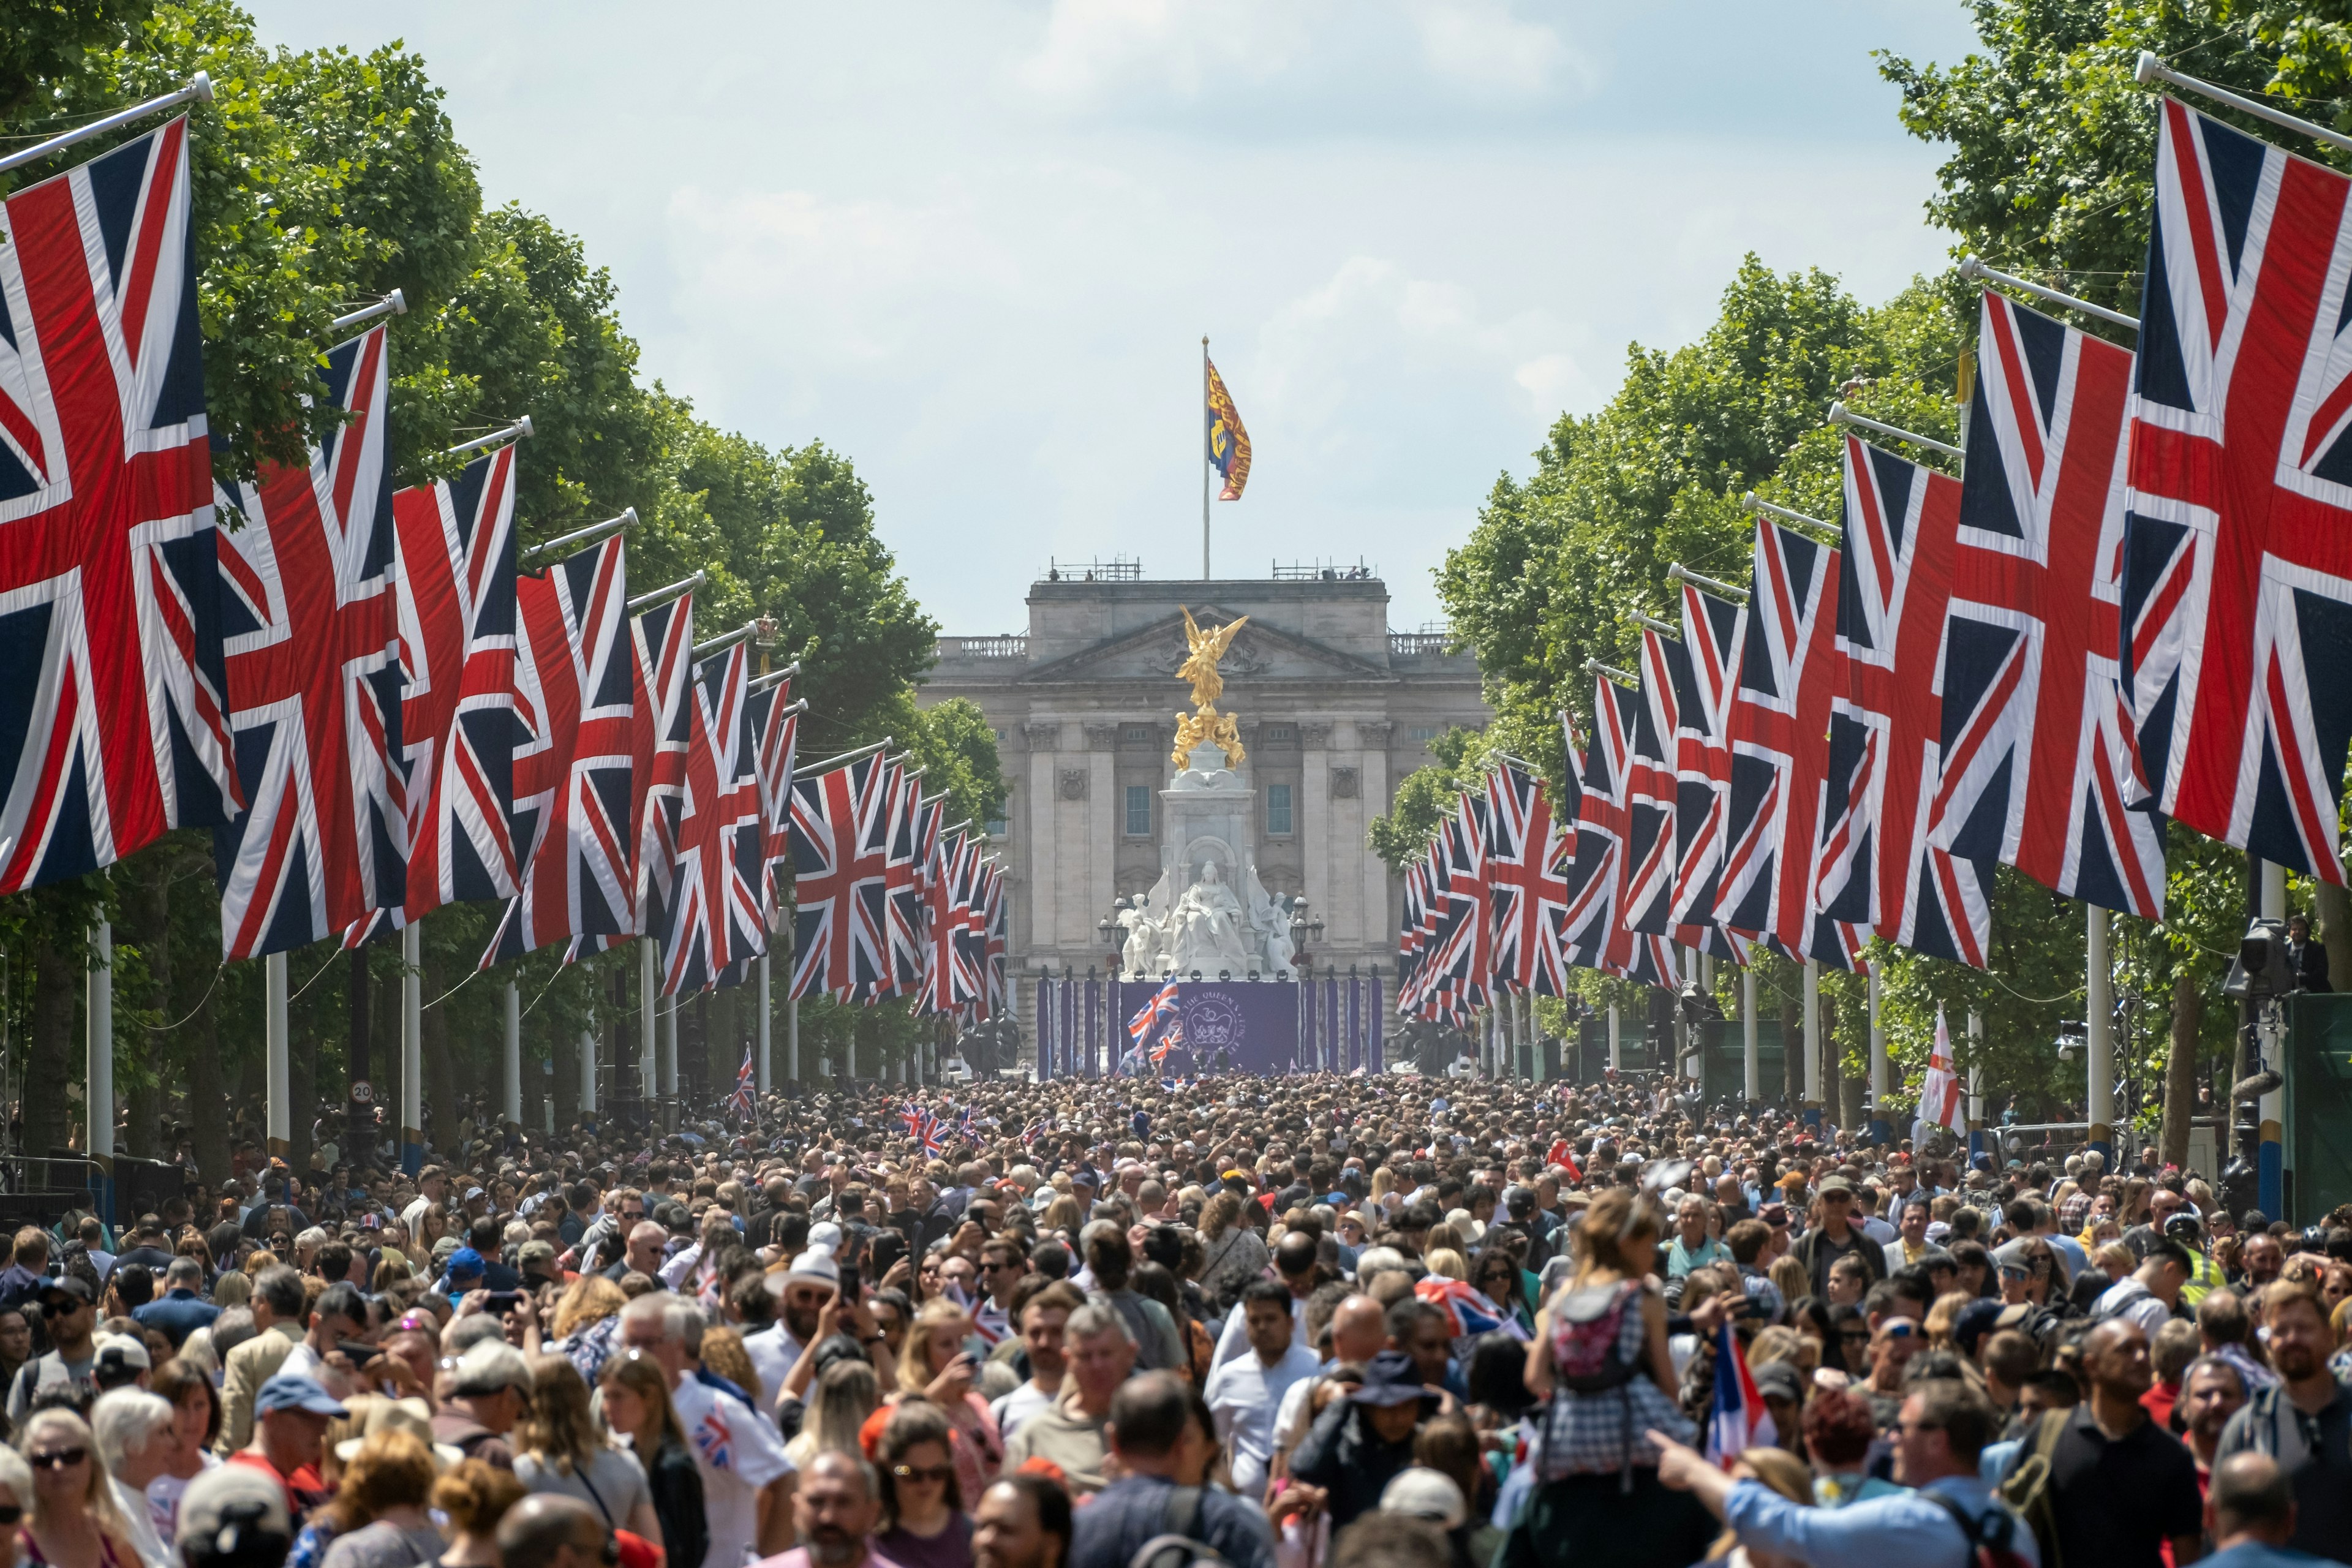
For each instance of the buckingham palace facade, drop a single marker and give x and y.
(1334, 709)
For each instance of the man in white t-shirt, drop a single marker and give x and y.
(1360, 1331)
(1244, 1394)
(746, 1481)
(1042, 1318)
(802, 1293)
(432, 1187)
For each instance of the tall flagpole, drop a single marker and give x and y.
(1205, 416)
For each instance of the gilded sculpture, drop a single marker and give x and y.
(1205, 724)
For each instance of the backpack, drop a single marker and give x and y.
(1984, 1550)
(2027, 1488)
(1590, 1321)
(1177, 1545)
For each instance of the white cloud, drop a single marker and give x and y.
(1091, 48)
(1480, 46)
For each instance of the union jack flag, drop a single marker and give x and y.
(2037, 743)
(1034, 1130)
(661, 718)
(1159, 1014)
(1522, 859)
(993, 999)
(744, 1102)
(1939, 1094)
(840, 946)
(2238, 579)
(1591, 913)
(914, 1116)
(1651, 791)
(1777, 728)
(115, 723)
(775, 724)
(715, 918)
(934, 1134)
(1876, 862)
(457, 551)
(572, 774)
(313, 681)
(1451, 976)
(913, 828)
(942, 922)
(1467, 1308)
(1713, 629)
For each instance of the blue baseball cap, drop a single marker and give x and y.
(465, 1262)
(292, 1391)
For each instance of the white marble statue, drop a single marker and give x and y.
(1204, 929)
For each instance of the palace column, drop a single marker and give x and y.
(1312, 824)
(1045, 742)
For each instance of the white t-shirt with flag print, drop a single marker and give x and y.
(738, 1451)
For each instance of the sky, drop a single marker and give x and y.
(975, 245)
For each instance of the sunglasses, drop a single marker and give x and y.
(934, 1473)
(61, 1309)
(10, 1513)
(60, 1459)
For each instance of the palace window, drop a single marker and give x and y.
(1140, 732)
(1281, 732)
(1424, 734)
(1138, 811)
(1277, 810)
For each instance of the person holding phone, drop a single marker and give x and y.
(937, 1366)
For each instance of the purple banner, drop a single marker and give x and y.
(1234, 1025)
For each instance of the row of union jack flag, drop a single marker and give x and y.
(2122, 611)
(354, 687)
(889, 900)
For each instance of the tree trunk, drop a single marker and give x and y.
(2180, 1072)
(2333, 905)
(57, 979)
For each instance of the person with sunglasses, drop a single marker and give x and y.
(922, 1502)
(73, 1521)
(69, 1314)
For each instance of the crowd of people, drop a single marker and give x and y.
(1274, 1322)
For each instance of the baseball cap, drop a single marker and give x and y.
(814, 1263)
(72, 1284)
(465, 1263)
(535, 1252)
(226, 1508)
(292, 1391)
(118, 1357)
(2180, 1222)
(1420, 1492)
(1391, 1379)
(1836, 1184)
(1781, 1381)
(489, 1365)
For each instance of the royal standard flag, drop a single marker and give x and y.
(1229, 451)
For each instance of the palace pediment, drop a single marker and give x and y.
(1259, 655)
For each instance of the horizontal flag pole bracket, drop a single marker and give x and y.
(514, 432)
(1974, 269)
(773, 677)
(1655, 625)
(1678, 573)
(627, 520)
(2152, 69)
(198, 88)
(846, 758)
(703, 650)
(1841, 415)
(392, 304)
(684, 585)
(1622, 677)
(955, 827)
(1754, 502)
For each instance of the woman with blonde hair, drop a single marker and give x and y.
(1784, 1473)
(638, 1409)
(722, 1353)
(1061, 1215)
(379, 1510)
(585, 1327)
(1600, 1362)
(559, 1447)
(1444, 1262)
(70, 1518)
(937, 1366)
(846, 1395)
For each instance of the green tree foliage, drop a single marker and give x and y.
(321, 180)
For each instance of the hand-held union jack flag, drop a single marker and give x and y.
(2238, 545)
(744, 1102)
(114, 716)
(2037, 744)
(313, 670)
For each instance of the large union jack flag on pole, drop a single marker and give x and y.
(1876, 863)
(313, 666)
(456, 552)
(1713, 630)
(113, 721)
(1777, 728)
(775, 720)
(2037, 743)
(2238, 574)
(841, 943)
(572, 774)
(661, 710)
(1529, 892)
(715, 921)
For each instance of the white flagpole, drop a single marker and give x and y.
(1205, 457)
(514, 1053)
(412, 1048)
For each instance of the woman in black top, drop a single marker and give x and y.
(636, 1406)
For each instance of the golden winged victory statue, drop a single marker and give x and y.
(1200, 667)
